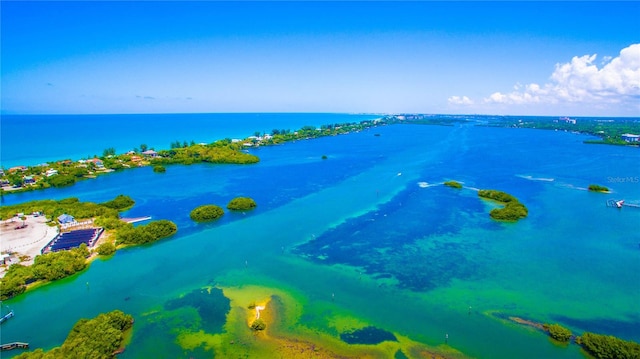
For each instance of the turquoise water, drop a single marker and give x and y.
(28, 140)
(361, 233)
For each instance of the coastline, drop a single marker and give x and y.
(434, 181)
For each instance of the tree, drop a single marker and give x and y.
(453, 184)
(609, 347)
(258, 324)
(120, 203)
(559, 332)
(159, 169)
(143, 147)
(206, 213)
(109, 152)
(106, 249)
(241, 204)
(95, 338)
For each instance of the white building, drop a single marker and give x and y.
(628, 137)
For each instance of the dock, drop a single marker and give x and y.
(136, 219)
(7, 316)
(621, 203)
(14, 345)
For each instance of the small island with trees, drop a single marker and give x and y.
(205, 213)
(241, 204)
(100, 337)
(598, 188)
(597, 345)
(512, 211)
(453, 184)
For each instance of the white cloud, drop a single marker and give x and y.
(457, 100)
(616, 82)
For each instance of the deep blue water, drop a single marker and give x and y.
(374, 225)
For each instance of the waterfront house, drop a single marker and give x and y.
(150, 153)
(628, 137)
(51, 172)
(28, 180)
(18, 168)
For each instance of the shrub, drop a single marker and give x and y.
(559, 333)
(120, 203)
(598, 188)
(241, 204)
(159, 169)
(145, 234)
(453, 184)
(258, 324)
(106, 249)
(206, 213)
(99, 337)
(609, 347)
(513, 209)
(62, 180)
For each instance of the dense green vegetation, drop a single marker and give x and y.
(218, 152)
(97, 338)
(598, 188)
(453, 184)
(258, 324)
(207, 212)
(498, 196)
(558, 332)
(610, 131)
(241, 204)
(106, 249)
(513, 210)
(120, 203)
(52, 209)
(130, 235)
(109, 223)
(53, 266)
(62, 180)
(46, 267)
(609, 347)
(159, 169)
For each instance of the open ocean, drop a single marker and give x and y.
(369, 235)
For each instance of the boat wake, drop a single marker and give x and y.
(531, 178)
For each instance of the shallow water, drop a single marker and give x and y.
(359, 234)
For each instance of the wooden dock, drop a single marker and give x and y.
(14, 345)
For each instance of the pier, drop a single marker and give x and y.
(7, 316)
(135, 220)
(621, 203)
(14, 345)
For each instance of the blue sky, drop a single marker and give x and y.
(519, 58)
